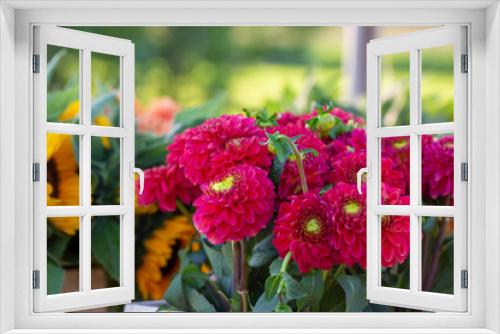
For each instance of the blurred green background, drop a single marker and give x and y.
(277, 67)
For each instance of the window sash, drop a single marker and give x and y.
(86, 43)
(414, 297)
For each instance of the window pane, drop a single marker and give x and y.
(105, 77)
(63, 181)
(437, 88)
(395, 89)
(395, 170)
(105, 169)
(395, 255)
(63, 274)
(437, 254)
(63, 86)
(437, 169)
(106, 252)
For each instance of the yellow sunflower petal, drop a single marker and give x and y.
(152, 280)
(71, 111)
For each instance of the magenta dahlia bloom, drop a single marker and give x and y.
(315, 167)
(235, 205)
(288, 118)
(398, 149)
(347, 143)
(437, 166)
(218, 144)
(349, 223)
(163, 185)
(395, 230)
(304, 228)
(346, 167)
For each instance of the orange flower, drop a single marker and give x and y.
(160, 263)
(159, 117)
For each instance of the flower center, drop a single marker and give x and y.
(313, 226)
(223, 185)
(352, 208)
(400, 144)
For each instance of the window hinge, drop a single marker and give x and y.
(465, 64)
(464, 280)
(36, 172)
(464, 167)
(36, 279)
(36, 63)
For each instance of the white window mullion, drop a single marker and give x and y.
(415, 241)
(85, 174)
(127, 107)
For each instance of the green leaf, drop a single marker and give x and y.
(198, 302)
(55, 278)
(263, 252)
(276, 170)
(220, 266)
(52, 65)
(57, 245)
(102, 101)
(106, 244)
(175, 295)
(355, 292)
(193, 277)
(264, 305)
(283, 308)
(314, 284)
(275, 266)
(57, 101)
(271, 286)
(293, 290)
(194, 116)
(149, 149)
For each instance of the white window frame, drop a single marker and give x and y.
(412, 44)
(86, 44)
(16, 21)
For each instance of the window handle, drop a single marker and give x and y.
(359, 177)
(138, 171)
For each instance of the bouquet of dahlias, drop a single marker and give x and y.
(279, 223)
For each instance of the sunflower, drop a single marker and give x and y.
(159, 264)
(62, 179)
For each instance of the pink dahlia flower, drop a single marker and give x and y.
(398, 149)
(315, 167)
(395, 230)
(437, 166)
(288, 118)
(164, 185)
(304, 228)
(349, 223)
(345, 169)
(235, 205)
(351, 142)
(218, 144)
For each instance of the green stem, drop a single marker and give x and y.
(286, 260)
(283, 268)
(236, 265)
(243, 282)
(300, 164)
(339, 271)
(182, 208)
